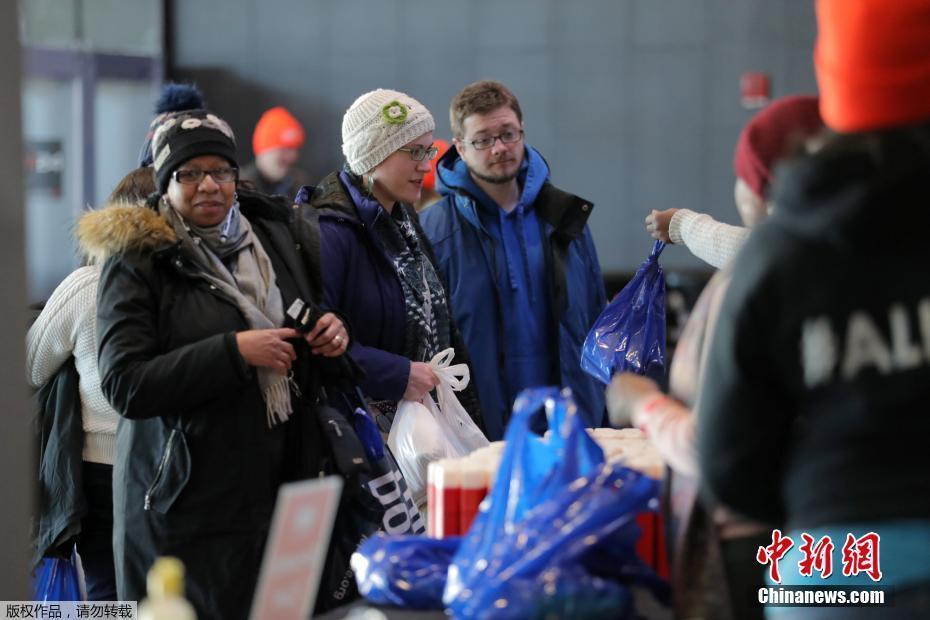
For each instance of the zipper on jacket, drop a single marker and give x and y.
(161, 469)
(486, 240)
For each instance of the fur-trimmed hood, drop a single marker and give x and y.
(121, 227)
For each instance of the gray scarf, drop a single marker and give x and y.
(232, 258)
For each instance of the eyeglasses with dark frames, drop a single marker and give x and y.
(419, 153)
(191, 176)
(506, 137)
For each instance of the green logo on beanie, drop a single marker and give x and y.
(394, 112)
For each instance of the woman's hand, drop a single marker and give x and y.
(657, 223)
(268, 348)
(625, 394)
(422, 380)
(328, 337)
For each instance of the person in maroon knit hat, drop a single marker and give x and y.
(766, 139)
(714, 572)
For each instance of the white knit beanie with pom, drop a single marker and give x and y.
(380, 122)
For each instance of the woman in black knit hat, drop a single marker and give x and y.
(194, 354)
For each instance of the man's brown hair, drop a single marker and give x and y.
(480, 98)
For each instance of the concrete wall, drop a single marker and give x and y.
(634, 103)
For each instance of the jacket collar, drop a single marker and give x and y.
(121, 227)
(841, 194)
(333, 198)
(566, 213)
(454, 176)
(368, 208)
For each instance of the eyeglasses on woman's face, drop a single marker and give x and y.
(419, 153)
(193, 176)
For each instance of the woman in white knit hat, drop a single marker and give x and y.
(215, 385)
(377, 264)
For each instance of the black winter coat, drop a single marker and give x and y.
(62, 504)
(197, 468)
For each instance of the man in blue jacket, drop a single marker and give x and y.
(523, 277)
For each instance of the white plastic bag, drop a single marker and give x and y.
(416, 440)
(461, 431)
(426, 432)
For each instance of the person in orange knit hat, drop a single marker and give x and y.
(813, 407)
(873, 64)
(429, 195)
(276, 143)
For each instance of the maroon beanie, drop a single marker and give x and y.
(770, 134)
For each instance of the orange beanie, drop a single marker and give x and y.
(429, 179)
(873, 63)
(277, 129)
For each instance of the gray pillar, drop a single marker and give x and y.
(16, 442)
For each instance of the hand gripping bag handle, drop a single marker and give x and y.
(462, 431)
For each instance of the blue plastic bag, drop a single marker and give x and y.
(404, 571)
(57, 579)
(368, 433)
(629, 335)
(556, 536)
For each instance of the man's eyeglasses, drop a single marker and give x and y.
(194, 175)
(419, 153)
(506, 137)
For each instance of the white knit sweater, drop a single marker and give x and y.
(66, 327)
(708, 239)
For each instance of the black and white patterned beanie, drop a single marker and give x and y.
(181, 136)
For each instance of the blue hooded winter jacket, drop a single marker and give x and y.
(484, 263)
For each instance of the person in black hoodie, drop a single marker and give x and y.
(216, 392)
(815, 394)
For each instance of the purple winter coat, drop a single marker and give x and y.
(360, 282)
